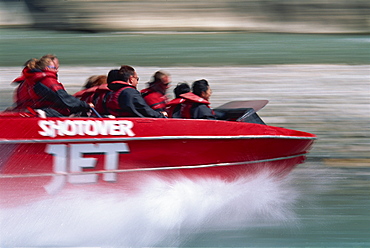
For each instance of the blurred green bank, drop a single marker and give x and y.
(182, 48)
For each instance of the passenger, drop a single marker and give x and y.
(95, 80)
(125, 100)
(197, 102)
(155, 94)
(91, 84)
(174, 106)
(39, 88)
(94, 87)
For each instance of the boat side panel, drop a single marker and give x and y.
(79, 128)
(53, 158)
(41, 178)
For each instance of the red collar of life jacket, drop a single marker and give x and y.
(176, 101)
(26, 73)
(173, 104)
(92, 90)
(194, 98)
(146, 91)
(116, 85)
(35, 76)
(191, 98)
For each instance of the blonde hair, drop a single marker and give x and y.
(41, 63)
(157, 77)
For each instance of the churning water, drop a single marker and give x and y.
(161, 213)
(314, 206)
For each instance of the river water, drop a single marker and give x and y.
(315, 206)
(319, 204)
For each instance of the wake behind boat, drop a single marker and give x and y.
(44, 156)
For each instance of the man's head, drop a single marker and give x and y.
(160, 81)
(128, 74)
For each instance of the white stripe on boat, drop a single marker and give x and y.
(150, 169)
(117, 139)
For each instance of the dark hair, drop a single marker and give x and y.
(181, 88)
(112, 76)
(200, 86)
(125, 72)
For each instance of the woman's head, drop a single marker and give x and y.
(47, 62)
(201, 88)
(95, 80)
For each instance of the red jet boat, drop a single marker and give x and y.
(44, 156)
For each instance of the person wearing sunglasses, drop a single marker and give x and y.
(123, 99)
(155, 94)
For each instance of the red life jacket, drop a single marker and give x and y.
(26, 97)
(112, 103)
(173, 105)
(154, 99)
(19, 80)
(21, 96)
(190, 99)
(85, 93)
(96, 95)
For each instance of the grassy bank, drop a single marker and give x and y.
(182, 49)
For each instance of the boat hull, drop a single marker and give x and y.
(43, 157)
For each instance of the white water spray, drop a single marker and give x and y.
(161, 213)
